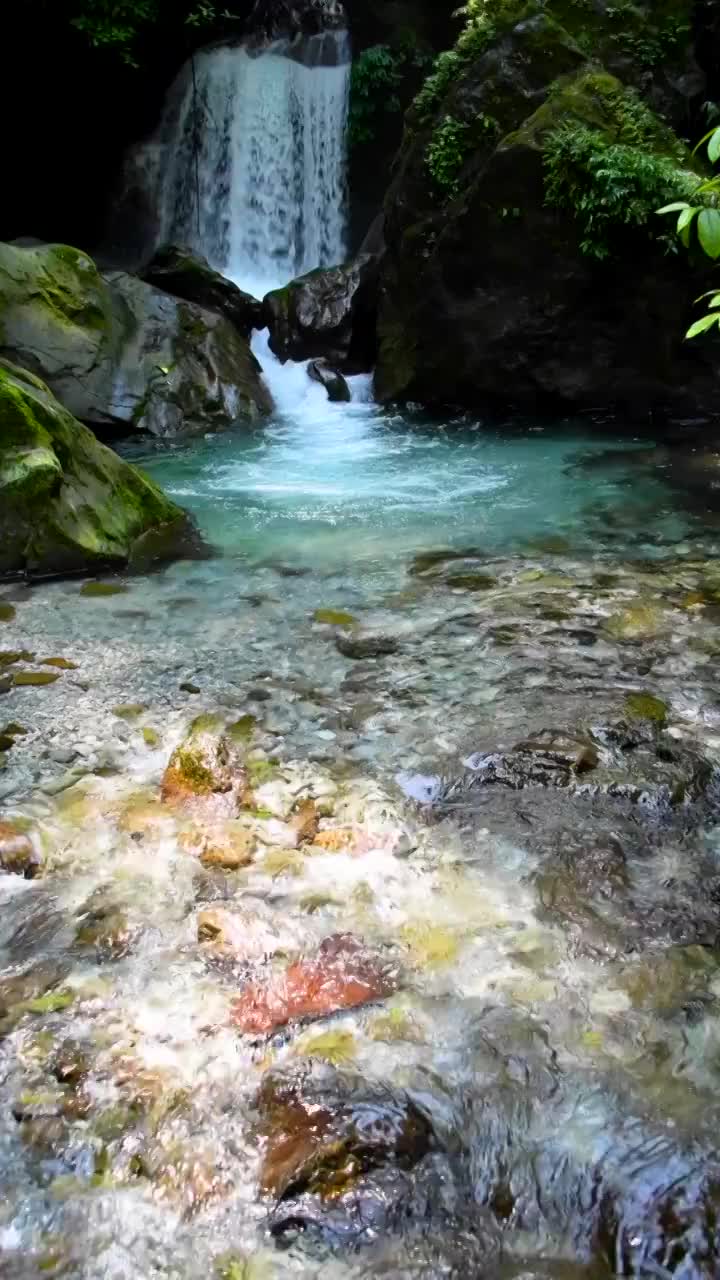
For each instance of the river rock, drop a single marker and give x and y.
(327, 314)
(186, 274)
(342, 974)
(333, 382)
(366, 644)
(68, 503)
(324, 1131)
(465, 316)
(19, 852)
(205, 774)
(118, 353)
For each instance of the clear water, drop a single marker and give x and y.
(556, 1023)
(361, 488)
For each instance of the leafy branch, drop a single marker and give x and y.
(700, 223)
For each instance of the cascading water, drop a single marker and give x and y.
(252, 159)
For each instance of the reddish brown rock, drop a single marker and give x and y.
(17, 851)
(323, 1132)
(305, 821)
(205, 774)
(343, 974)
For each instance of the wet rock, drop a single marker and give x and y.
(471, 581)
(305, 821)
(327, 314)
(325, 1132)
(96, 590)
(29, 678)
(206, 774)
(186, 274)
(365, 644)
(334, 617)
(337, 388)
(551, 758)
(106, 927)
(19, 852)
(640, 622)
(226, 845)
(7, 611)
(342, 974)
(664, 983)
(245, 933)
(62, 664)
(118, 352)
(188, 687)
(644, 706)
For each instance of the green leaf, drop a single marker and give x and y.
(715, 301)
(700, 326)
(673, 208)
(709, 135)
(714, 147)
(684, 224)
(708, 226)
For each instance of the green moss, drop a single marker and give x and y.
(261, 771)
(35, 677)
(334, 618)
(129, 710)
(53, 1002)
(337, 1047)
(208, 722)
(151, 737)
(644, 706)
(243, 729)
(194, 771)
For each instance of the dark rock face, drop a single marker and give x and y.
(486, 295)
(333, 382)
(272, 19)
(185, 274)
(328, 314)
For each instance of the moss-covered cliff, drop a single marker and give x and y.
(525, 262)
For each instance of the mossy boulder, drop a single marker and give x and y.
(68, 504)
(520, 268)
(117, 352)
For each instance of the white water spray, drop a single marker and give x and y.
(252, 159)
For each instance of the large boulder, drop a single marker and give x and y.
(511, 275)
(68, 504)
(186, 274)
(118, 353)
(327, 314)
(337, 388)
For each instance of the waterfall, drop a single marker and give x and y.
(250, 159)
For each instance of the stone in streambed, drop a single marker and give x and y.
(7, 611)
(338, 391)
(62, 664)
(324, 1131)
(644, 706)
(342, 974)
(35, 677)
(206, 773)
(366, 644)
(19, 853)
(334, 618)
(227, 845)
(96, 590)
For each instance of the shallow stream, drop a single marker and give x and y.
(395, 610)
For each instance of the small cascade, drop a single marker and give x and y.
(250, 159)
